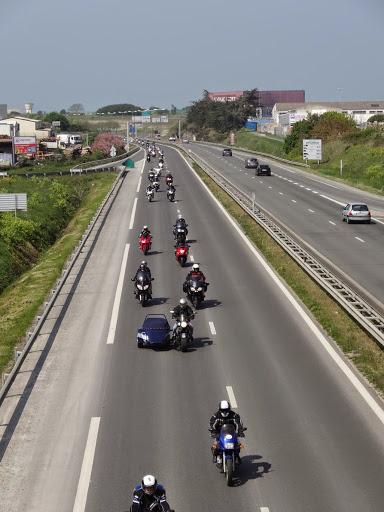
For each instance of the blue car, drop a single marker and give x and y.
(155, 332)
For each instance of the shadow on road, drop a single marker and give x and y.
(157, 301)
(211, 303)
(251, 467)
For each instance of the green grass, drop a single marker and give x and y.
(355, 342)
(250, 140)
(20, 302)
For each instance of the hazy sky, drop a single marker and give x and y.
(149, 52)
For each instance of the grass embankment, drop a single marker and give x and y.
(263, 144)
(20, 302)
(354, 342)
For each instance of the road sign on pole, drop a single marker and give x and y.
(312, 149)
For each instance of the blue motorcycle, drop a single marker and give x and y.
(228, 447)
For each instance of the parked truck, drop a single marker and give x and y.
(69, 139)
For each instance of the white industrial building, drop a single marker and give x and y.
(27, 127)
(286, 114)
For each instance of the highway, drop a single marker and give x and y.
(102, 412)
(311, 207)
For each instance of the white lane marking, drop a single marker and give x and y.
(290, 181)
(116, 303)
(314, 192)
(212, 327)
(231, 396)
(132, 220)
(331, 222)
(293, 201)
(337, 359)
(246, 173)
(264, 509)
(138, 185)
(312, 211)
(260, 181)
(306, 188)
(86, 467)
(295, 183)
(253, 177)
(301, 186)
(178, 211)
(269, 186)
(191, 258)
(281, 193)
(360, 239)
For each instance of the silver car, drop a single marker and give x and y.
(356, 212)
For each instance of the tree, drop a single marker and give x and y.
(119, 108)
(63, 111)
(331, 125)
(55, 116)
(105, 141)
(173, 109)
(76, 108)
(377, 118)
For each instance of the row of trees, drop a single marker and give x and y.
(205, 115)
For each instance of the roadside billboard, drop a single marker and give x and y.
(25, 145)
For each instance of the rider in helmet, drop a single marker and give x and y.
(143, 267)
(183, 309)
(195, 273)
(226, 416)
(144, 232)
(149, 495)
(180, 224)
(149, 188)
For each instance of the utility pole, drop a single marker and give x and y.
(179, 128)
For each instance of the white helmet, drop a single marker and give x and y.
(145, 227)
(148, 484)
(195, 267)
(182, 301)
(224, 408)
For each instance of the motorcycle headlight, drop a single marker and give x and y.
(193, 289)
(146, 286)
(139, 286)
(199, 289)
(183, 324)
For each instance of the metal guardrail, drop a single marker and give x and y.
(100, 214)
(356, 306)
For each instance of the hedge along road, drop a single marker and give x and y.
(311, 207)
(103, 414)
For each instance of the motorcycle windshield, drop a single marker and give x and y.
(228, 430)
(142, 278)
(196, 283)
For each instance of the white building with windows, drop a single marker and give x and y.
(360, 111)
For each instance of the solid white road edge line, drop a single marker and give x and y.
(138, 185)
(86, 467)
(360, 388)
(116, 303)
(231, 396)
(212, 327)
(132, 220)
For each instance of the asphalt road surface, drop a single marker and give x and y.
(311, 207)
(101, 415)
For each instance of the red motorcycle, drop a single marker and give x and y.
(181, 254)
(145, 244)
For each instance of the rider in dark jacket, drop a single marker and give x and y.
(183, 309)
(180, 224)
(143, 267)
(225, 416)
(195, 273)
(149, 496)
(144, 232)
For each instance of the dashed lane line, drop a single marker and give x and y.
(86, 467)
(360, 239)
(231, 396)
(138, 185)
(293, 201)
(132, 220)
(312, 211)
(212, 327)
(331, 222)
(116, 303)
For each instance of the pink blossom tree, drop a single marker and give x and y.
(105, 141)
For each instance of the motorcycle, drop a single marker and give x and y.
(183, 334)
(148, 158)
(145, 244)
(171, 194)
(168, 180)
(143, 288)
(161, 164)
(156, 184)
(150, 195)
(151, 176)
(195, 290)
(181, 254)
(227, 445)
(180, 235)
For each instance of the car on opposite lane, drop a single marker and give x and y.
(356, 212)
(251, 163)
(263, 170)
(227, 152)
